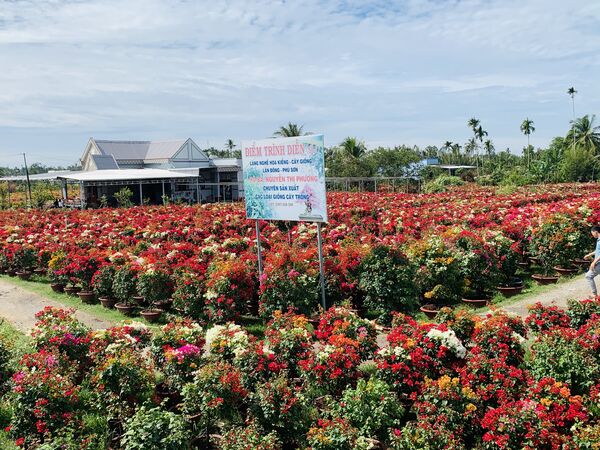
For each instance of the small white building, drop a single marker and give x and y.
(204, 179)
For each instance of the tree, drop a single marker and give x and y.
(527, 128)
(289, 130)
(585, 135)
(571, 91)
(392, 162)
(489, 148)
(476, 128)
(353, 147)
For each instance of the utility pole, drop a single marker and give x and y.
(28, 182)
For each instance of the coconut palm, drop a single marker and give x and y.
(289, 130)
(230, 145)
(527, 128)
(571, 91)
(489, 148)
(585, 134)
(475, 125)
(353, 147)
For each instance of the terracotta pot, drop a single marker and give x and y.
(534, 259)
(164, 305)
(524, 265)
(476, 302)
(584, 263)
(509, 291)
(25, 275)
(564, 271)
(57, 287)
(138, 300)
(124, 308)
(162, 392)
(72, 290)
(87, 296)
(39, 271)
(544, 279)
(11, 272)
(107, 302)
(430, 310)
(151, 315)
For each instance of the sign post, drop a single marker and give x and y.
(321, 267)
(284, 179)
(259, 251)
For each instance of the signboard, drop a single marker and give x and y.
(284, 179)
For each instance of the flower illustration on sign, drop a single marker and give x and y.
(310, 198)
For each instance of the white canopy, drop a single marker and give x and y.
(125, 175)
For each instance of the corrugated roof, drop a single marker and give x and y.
(139, 150)
(126, 174)
(105, 162)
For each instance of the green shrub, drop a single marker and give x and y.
(123, 197)
(580, 311)
(441, 184)
(155, 429)
(372, 407)
(249, 437)
(386, 279)
(560, 355)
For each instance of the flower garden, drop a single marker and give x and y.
(309, 379)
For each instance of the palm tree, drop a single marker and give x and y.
(475, 127)
(353, 147)
(290, 130)
(489, 147)
(527, 128)
(585, 134)
(230, 146)
(571, 91)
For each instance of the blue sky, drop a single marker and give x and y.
(387, 72)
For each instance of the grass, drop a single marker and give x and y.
(41, 286)
(532, 288)
(20, 342)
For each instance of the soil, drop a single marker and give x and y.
(18, 306)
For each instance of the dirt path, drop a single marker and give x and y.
(18, 306)
(577, 289)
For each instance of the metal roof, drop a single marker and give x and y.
(52, 175)
(105, 162)
(453, 166)
(140, 150)
(125, 175)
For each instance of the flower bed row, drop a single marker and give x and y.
(463, 382)
(382, 252)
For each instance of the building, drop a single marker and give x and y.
(178, 169)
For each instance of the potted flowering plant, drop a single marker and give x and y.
(154, 285)
(438, 276)
(479, 267)
(547, 244)
(102, 284)
(387, 282)
(124, 287)
(55, 272)
(84, 268)
(24, 258)
(230, 289)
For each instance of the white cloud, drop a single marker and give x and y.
(391, 72)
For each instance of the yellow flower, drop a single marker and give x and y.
(546, 402)
(429, 294)
(471, 407)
